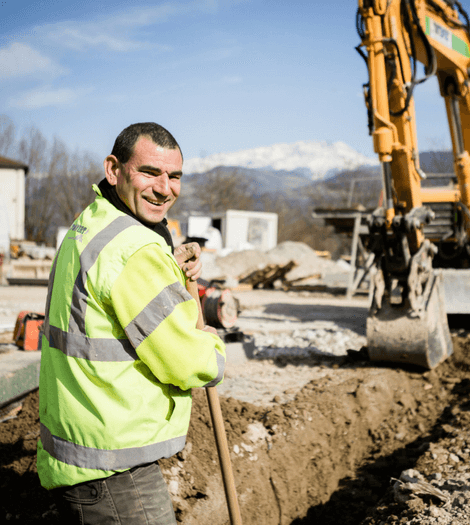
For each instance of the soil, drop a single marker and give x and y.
(325, 445)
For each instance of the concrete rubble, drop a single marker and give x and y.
(309, 268)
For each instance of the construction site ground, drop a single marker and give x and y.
(317, 435)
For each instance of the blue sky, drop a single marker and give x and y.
(220, 75)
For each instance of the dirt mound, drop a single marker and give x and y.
(236, 264)
(320, 458)
(308, 262)
(244, 262)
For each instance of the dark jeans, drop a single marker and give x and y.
(136, 497)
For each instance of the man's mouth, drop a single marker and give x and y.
(154, 202)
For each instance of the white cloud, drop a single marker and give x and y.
(219, 53)
(82, 39)
(114, 33)
(19, 60)
(143, 16)
(117, 31)
(232, 80)
(46, 96)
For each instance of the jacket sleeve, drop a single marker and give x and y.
(159, 317)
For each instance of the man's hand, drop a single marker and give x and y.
(210, 329)
(187, 257)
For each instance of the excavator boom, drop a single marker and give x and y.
(421, 230)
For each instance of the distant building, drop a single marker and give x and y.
(235, 230)
(12, 202)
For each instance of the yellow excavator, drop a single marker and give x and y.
(420, 235)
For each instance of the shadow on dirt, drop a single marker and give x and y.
(357, 496)
(354, 359)
(350, 317)
(368, 492)
(350, 503)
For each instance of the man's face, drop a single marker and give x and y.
(149, 182)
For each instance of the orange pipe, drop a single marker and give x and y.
(437, 194)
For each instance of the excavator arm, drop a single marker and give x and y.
(407, 321)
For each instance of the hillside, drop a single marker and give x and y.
(311, 159)
(299, 183)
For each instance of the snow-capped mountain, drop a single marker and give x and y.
(311, 158)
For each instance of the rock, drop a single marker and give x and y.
(256, 432)
(173, 487)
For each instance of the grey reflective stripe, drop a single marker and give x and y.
(157, 310)
(75, 343)
(48, 300)
(91, 348)
(87, 259)
(101, 459)
(221, 367)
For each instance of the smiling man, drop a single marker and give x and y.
(149, 182)
(120, 350)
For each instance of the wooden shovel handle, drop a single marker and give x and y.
(219, 429)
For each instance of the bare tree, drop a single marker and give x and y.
(295, 223)
(7, 135)
(348, 189)
(33, 150)
(75, 183)
(58, 186)
(39, 207)
(221, 190)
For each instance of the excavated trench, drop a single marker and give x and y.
(328, 455)
(324, 457)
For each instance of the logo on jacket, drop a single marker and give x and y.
(80, 230)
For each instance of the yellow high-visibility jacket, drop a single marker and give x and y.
(120, 351)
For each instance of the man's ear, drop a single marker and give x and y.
(111, 169)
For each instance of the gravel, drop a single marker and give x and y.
(288, 348)
(436, 491)
(324, 338)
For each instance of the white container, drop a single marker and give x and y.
(240, 229)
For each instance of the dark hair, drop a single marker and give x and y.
(125, 141)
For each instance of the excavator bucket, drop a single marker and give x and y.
(397, 334)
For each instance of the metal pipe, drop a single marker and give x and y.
(387, 185)
(456, 124)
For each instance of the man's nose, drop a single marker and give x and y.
(162, 184)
